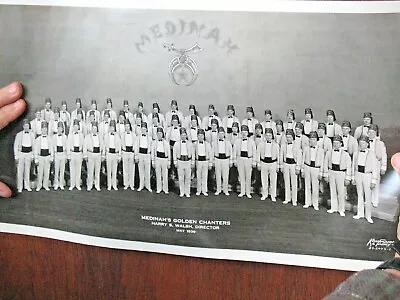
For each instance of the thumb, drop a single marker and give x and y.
(5, 191)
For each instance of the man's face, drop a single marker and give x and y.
(337, 145)
(155, 121)
(321, 132)
(79, 117)
(268, 117)
(138, 121)
(127, 127)
(230, 112)
(112, 129)
(221, 135)
(121, 118)
(346, 130)
(126, 107)
(56, 116)
(245, 133)
(290, 117)
(107, 118)
(38, 115)
(298, 131)
(59, 130)
(78, 105)
(235, 129)
(64, 106)
(214, 127)
(371, 134)
(144, 130)
(367, 121)
(173, 107)
(201, 137)
(48, 105)
(313, 142)
(191, 111)
(94, 129)
(155, 110)
(76, 128)
(175, 123)
(109, 105)
(363, 145)
(183, 136)
(258, 131)
(26, 127)
(268, 136)
(44, 131)
(249, 114)
(94, 106)
(140, 109)
(279, 128)
(330, 118)
(308, 116)
(193, 123)
(211, 111)
(159, 135)
(289, 138)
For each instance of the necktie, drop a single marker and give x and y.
(194, 128)
(345, 136)
(336, 150)
(235, 134)
(362, 150)
(183, 142)
(201, 142)
(60, 135)
(143, 135)
(268, 142)
(244, 139)
(221, 140)
(330, 123)
(230, 117)
(258, 136)
(249, 119)
(367, 126)
(75, 133)
(308, 121)
(94, 134)
(312, 147)
(112, 133)
(289, 143)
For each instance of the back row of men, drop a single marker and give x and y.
(339, 160)
(156, 119)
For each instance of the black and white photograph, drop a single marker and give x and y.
(245, 135)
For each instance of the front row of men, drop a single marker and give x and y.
(310, 160)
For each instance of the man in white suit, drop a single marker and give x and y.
(244, 157)
(268, 122)
(267, 162)
(291, 160)
(363, 129)
(332, 127)
(379, 149)
(143, 157)
(228, 120)
(93, 151)
(112, 148)
(337, 171)
(24, 155)
(212, 115)
(204, 161)
(222, 150)
(365, 174)
(161, 160)
(184, 160)
(47, 113)
(312, 170)
(128, 141)
(44, 155)
(75, 155)
(60, 156)
(173, 112)
(309, 123)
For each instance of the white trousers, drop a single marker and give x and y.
(202, 176)
(59, 169)
(336, 184)
(128, 169)
(222, 174)
(311, 185)
(161, 166)
(375, 191)
(23, 170)
(144, 170)
(364, 193)
(75, 166)
(244, 165)
(112, 168)
(43, 171)
(184, 176)
(290, 178)
(269, 177)
(93, 170)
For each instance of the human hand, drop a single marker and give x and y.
(11, 107)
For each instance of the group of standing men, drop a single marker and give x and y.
(178, 146)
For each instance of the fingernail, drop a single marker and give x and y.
(13, 88)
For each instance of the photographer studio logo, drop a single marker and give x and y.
(182, 68)
(379, 244)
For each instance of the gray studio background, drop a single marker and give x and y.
(349, 63)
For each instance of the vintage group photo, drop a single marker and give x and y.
(263, 132)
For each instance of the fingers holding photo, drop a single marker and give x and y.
(11, 106)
